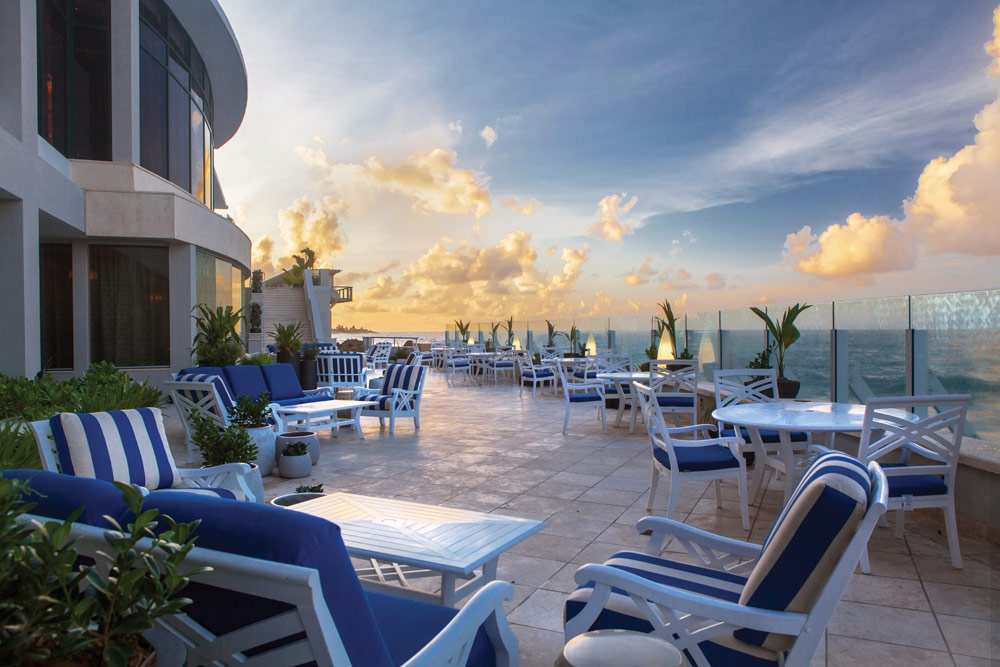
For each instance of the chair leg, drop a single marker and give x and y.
(674, 488)
(652, 488)
(392, 424)
(741, 482)
(566, 420)
(604, 418)
(951, 529)
(718, 493)
(865, 565)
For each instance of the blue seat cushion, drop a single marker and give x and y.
(408, 625)
(384, 402)
(584, 398)
(589, 375)
(201, 490)
(767, 435)
(458, 364)
(613, 389)
(282, 381)
(304, 399)
(502, 364)
(282, 536)
(675, 401)
(56, 496)
(706, 457)
(246, 379)
(537, 374)
(914, 485)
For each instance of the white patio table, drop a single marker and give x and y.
(412, 540)
(479, 361)
(323, 414)
(623, 380)
(786, 416)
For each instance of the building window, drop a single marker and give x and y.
(55, 284)
(129, 305)
(74, 77)
(175, 103)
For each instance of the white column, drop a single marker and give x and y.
(125, 81)
(20, 353)
(81, 305)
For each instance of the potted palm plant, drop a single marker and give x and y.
(288, 341)
(218, 341)
(252, 415)
(552, 334)
(219, 446)
(784, 333)
(577, 349)
(463, 329)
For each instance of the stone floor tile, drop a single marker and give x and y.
(563, 580)
(887, 591)
(527, 570)
(574, 525)
(941, 571)
(550, 489)
(967, 601)
(851, 651)
(610, 497)
(594, 510)
(576, 478)
(886, 564)
(553, 547)
(972, 637)
(537, 647)
(543, 609)
(887, 624)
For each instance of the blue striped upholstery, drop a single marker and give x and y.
(196, 395)
(205, 491)
(124, 445)
(408, 378)
(767, 435)
(411, 358)
(620, 611)
(384, 402)
(807, 541)
(705, 457)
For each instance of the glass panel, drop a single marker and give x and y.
(205, 278)
(178, 71)
(223, 288)
(808, 360)
(630, 335)
(152, 42)
(152, 115)
(197, 154)
(956, 339)
(178, 141)
(703, 341)
(237, 284)
(55, 287)
(209, 181)
(91, 107)
(876, 346)
(52, 76)
(743, 337)
(180, 43)
(129, 305)
(92, 12)
(155, 13)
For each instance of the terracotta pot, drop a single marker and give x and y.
(788, 388)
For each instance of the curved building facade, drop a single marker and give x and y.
(110, 113)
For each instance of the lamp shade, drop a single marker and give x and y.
(516, 342)
(591, 345)
(666, 349)
(472, 340)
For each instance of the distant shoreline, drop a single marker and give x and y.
(352, 331)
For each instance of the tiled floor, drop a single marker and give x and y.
(488, 449)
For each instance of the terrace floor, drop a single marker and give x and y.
(486, 449)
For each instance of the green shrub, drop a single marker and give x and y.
(219, 446)
(306, 488)
(296, 448)
(249, 413)
(258, 359)
(17, 447)
(103, 388)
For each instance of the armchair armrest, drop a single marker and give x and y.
(712, 550)
(695, 428)
(227, 476)
(572, 386)
(453, 643)
(321, 391)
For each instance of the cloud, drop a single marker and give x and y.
(955, 208)
(602, 305)
(365, 307)
(344, 141)
(352, 277)
(430, 179)
(455, 126)
(715, 281)
(635, 306)
(860, 246)
(528, 208)
(610, 225)
(489, 135)
(691, 238)
(675, 248)
(551, 250)
(642, 274)
(385, 287)
(304, 224)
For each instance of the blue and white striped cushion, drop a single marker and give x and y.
(807, 541)
(412, 358)
(207, 491)
(124, 446)
(402, 377)
(196, 395)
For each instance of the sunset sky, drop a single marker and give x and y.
(540, 160)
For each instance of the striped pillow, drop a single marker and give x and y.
(402, 377)
(124, 446)
(217, 380)
(807, 542)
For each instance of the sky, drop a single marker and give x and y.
(553, 160)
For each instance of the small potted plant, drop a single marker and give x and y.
(295, 461)
(784, 333)
(219, 446)
(288, 342)
(257, 281)
(256, 319)
(303, 492)
(308, 366)
(218, 341)
(252, 415)
(59, 610)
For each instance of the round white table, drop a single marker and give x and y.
(625, 380)
(786, 416)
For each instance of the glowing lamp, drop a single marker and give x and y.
(591, 345)
(472, 340)
(516, 342)
(666, 349)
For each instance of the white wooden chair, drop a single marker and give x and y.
(675, 383)
(379, 355)
(689, 453)
(535, 374)
(456, 363)
(581, 393)
(927, 481)
(741, 603)
(341, 370)
(502, 363)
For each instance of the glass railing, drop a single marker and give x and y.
(848, 350)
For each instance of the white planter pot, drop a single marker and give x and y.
(308, 437)
(293, 467)
(255, 483)
(263, 437)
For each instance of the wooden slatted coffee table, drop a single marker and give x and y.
(405, 540)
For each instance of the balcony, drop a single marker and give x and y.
(341, 294)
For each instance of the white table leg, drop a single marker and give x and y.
(621, 402)
(448, 589)
(759, 463)
(357, 422)
(786, 459)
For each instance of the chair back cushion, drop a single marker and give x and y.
(220, 386)
(397, 376)
(56, 496)
(807, 542)
(246, 379)
(282, 382)
(411, 358)
(124, 445)
(283, 536)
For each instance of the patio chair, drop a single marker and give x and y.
(130, 446)
(742, 603)
(279, 587)
(743, 385)
(202, 394)
(503, 362)
(698, 457)
(582, 393)
(414, 359)
(398, 397)
(341, 370)
(675, 383)
(377, 355)
(935, 439)
(550, 353)
(535, 374)
(456, 363)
